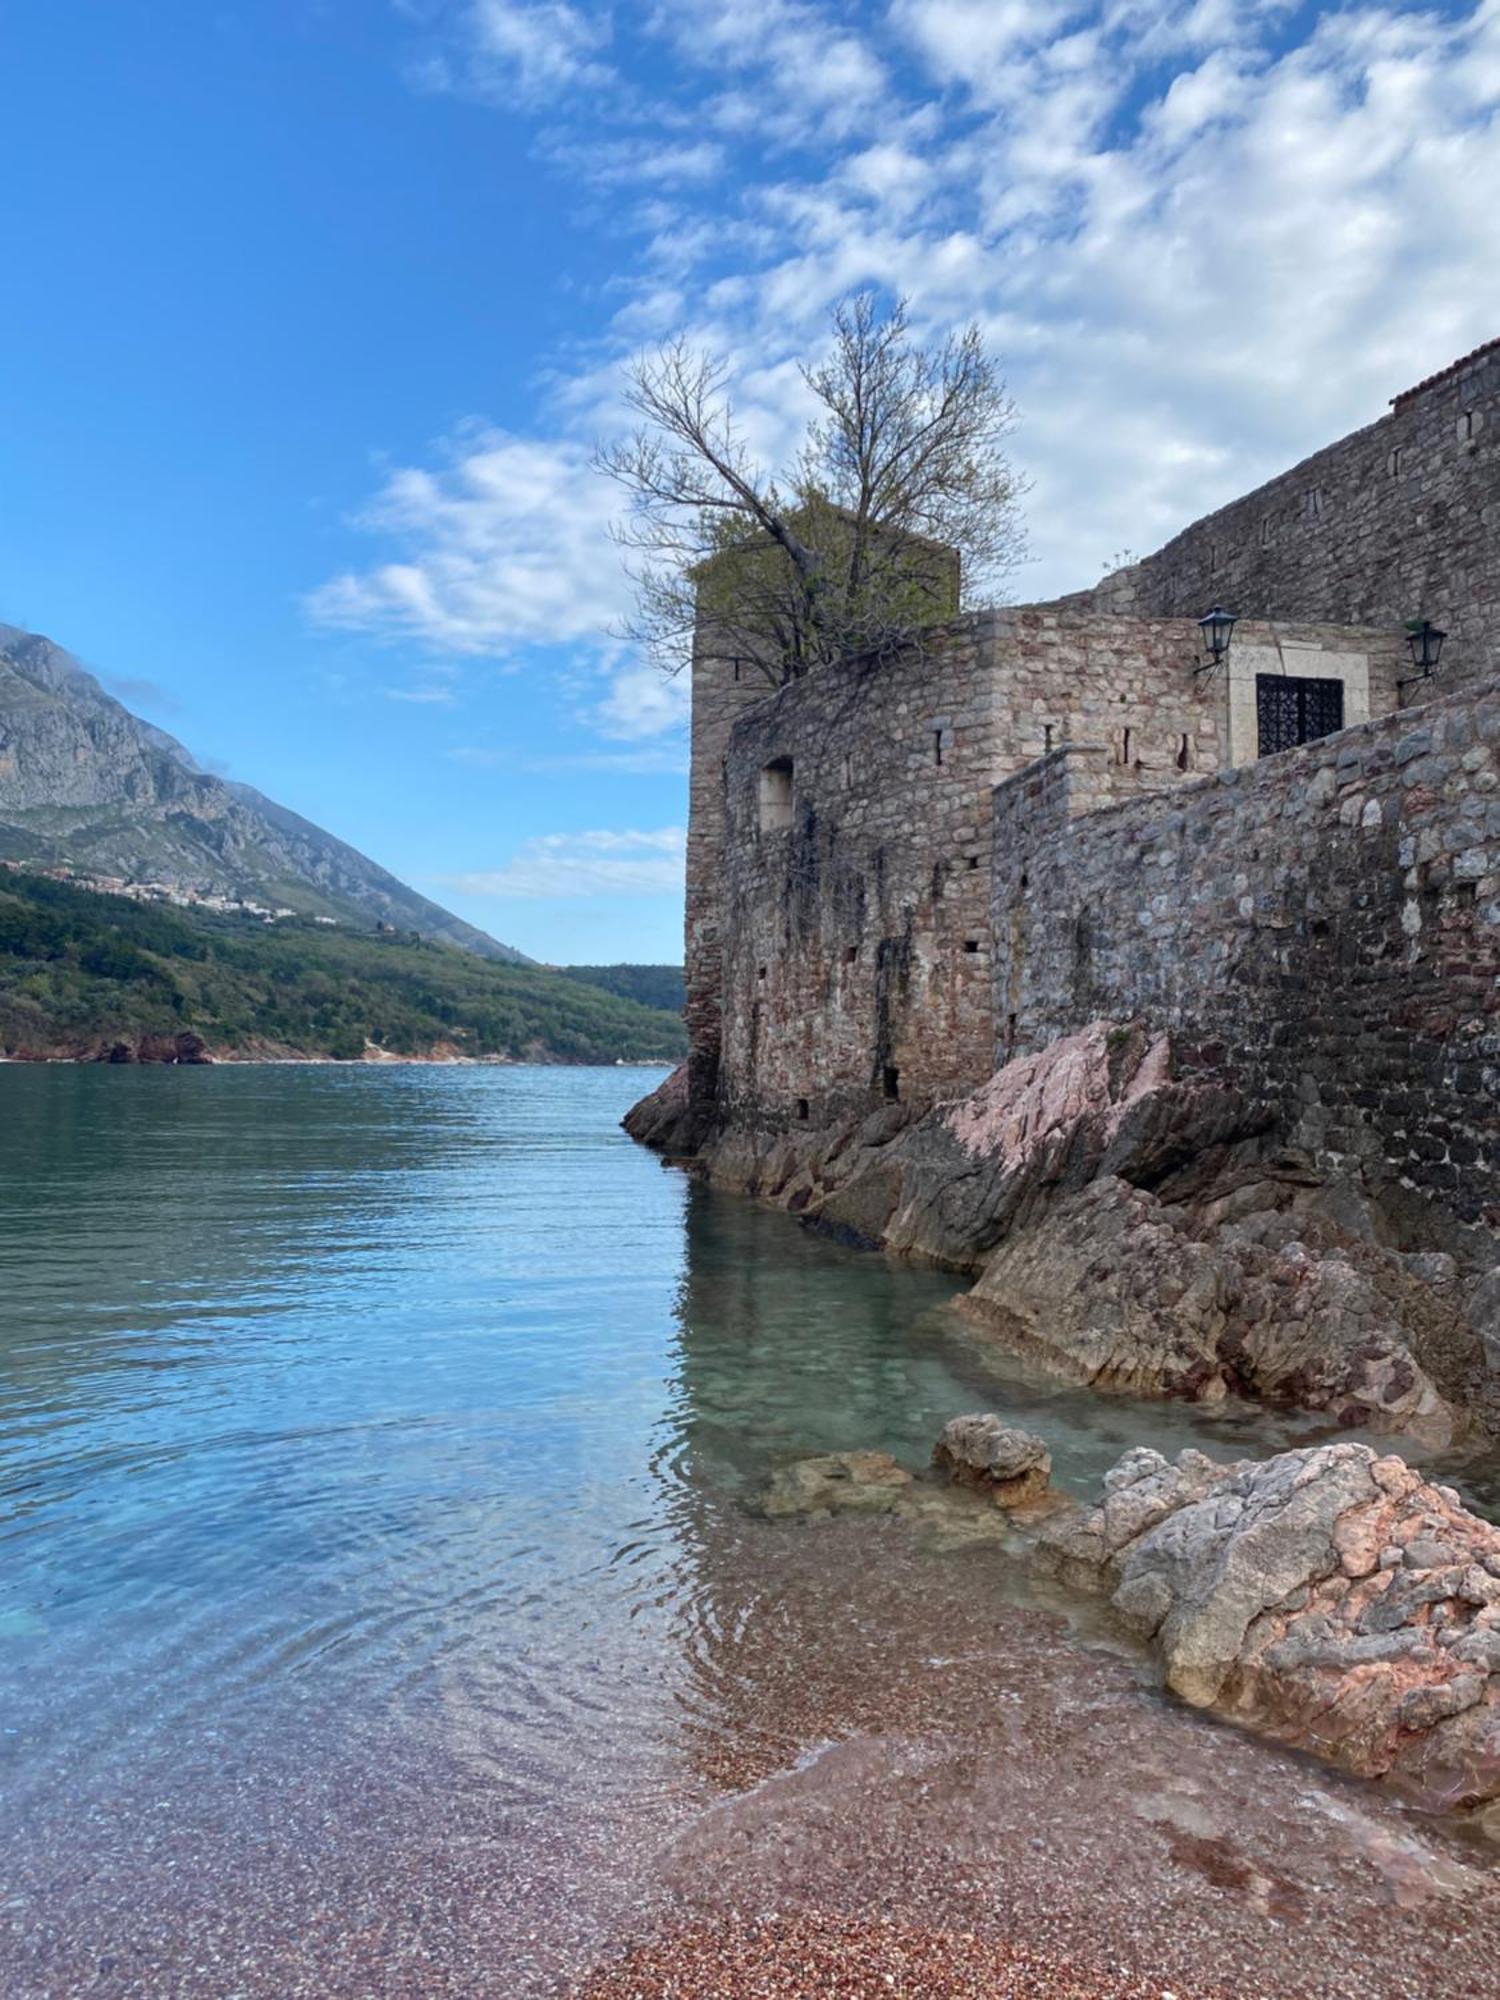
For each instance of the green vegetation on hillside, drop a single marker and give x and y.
(652, 985)
(80, 971)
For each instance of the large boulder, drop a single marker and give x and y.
(1328, 1597)
(1010, 1465)
(1135, 1225)
(1116, 1288)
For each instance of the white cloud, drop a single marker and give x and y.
(437, 695)
(639, 163)
(526, 49)
(600, 863)
(791, 72)
(1206, 237)
(504, 545)
(642, 701)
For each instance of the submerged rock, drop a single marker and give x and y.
(1328, 1597)
(871, 1482)
(839, 1482)
(1007, 1463)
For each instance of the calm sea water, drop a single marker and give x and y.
(375, 1446)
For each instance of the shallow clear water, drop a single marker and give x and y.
(359, 1426)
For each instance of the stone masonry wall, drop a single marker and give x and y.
(852, 945)
(1398, 521)
(847, 932)
(723, 690)
(1323, 928)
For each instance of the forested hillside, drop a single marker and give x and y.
(652, 985)
(82, 974)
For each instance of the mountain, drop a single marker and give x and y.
(93, 977)
(86, 784)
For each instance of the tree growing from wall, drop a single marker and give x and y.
(898, 506)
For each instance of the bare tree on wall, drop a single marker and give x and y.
(899, 505)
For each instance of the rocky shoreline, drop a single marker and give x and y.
(1328, 1598)
(1133, 1225)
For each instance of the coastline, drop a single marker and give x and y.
(294, 1059)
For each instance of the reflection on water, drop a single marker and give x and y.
(361, 1426)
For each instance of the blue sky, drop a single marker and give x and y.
(315, 307)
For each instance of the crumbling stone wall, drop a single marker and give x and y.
(1322, 929)
(1398, 521)
(852, 930)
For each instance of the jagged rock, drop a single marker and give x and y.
(1117, 1289)
(664, 1119)
(1105, 1100)
(983, 1451)
(1136, 1227)
(1270, 1594)
(839, 1482)
(1484, 1316)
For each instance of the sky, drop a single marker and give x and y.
(316, 308)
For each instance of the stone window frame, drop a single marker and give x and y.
(1300, 660)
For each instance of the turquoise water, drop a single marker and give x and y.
(374, 1446)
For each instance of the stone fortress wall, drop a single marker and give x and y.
(1400, 520)
(1323, 930)
(855, 850)
(869, 919)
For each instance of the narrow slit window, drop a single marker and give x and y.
(1046, 739)
(890, 1083)
(1466, 426)
(851, 953)
(802, 1107)
(1393, 463)
(937, 746)
(1184, 756)
(973, 862)
(776, 795)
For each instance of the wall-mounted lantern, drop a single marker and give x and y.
(1425, 643)
(1217, 626)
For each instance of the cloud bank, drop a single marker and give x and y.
(1205, 237)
